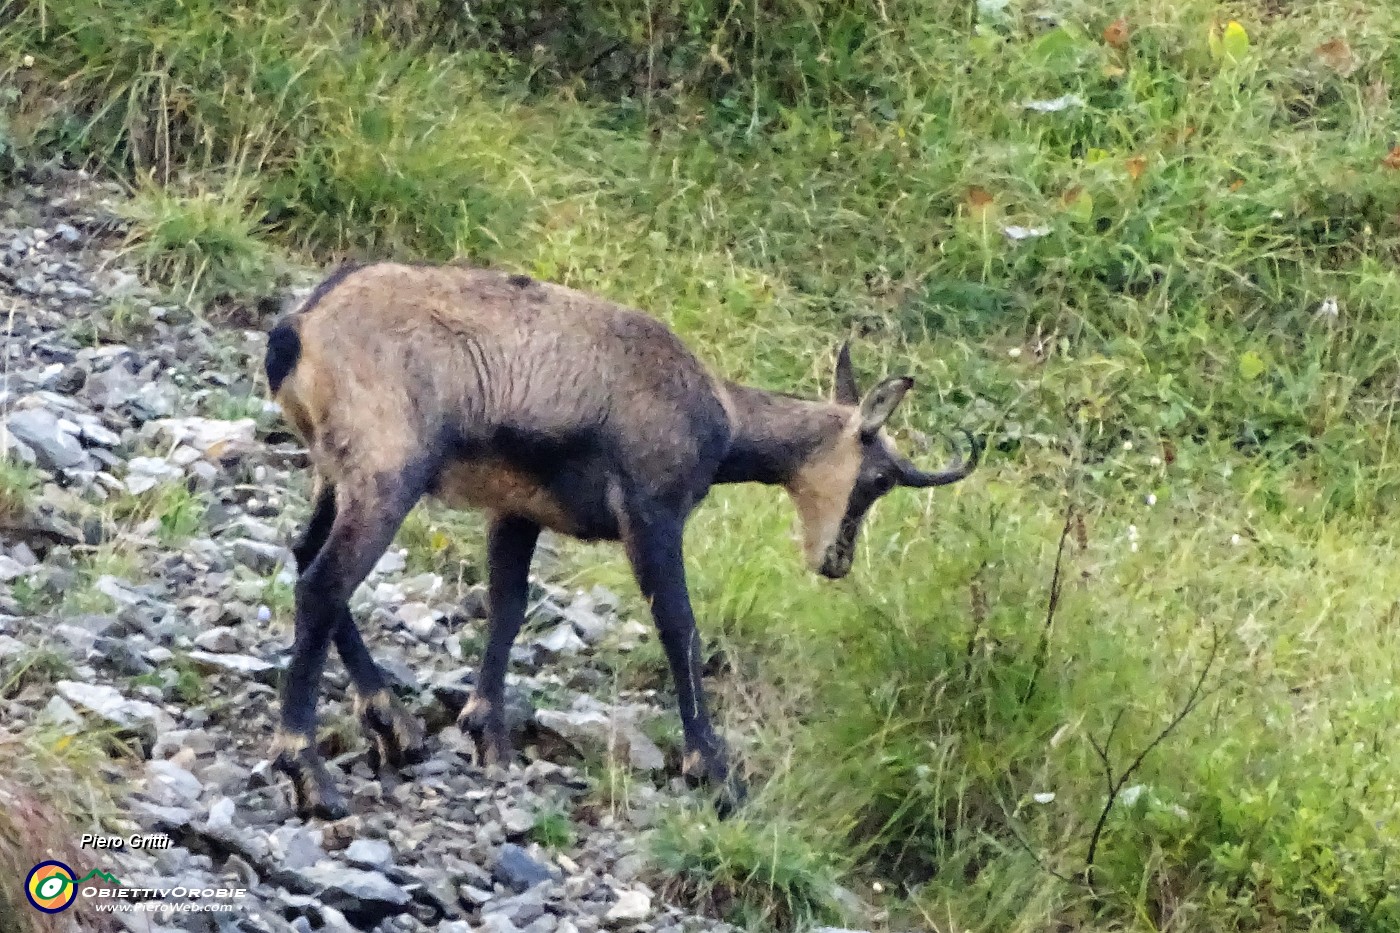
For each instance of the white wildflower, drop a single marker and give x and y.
(1130, 795)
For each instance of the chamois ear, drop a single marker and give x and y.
(881, 402)
(846, 392)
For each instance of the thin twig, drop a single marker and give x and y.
(1043, 650)
(1025, 844)
(1194, 699)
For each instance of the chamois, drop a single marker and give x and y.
(546, 408)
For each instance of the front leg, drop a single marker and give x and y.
(510, 547)
(654, 547)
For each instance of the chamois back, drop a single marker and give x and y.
(389, 362)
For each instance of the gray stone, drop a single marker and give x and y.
(562, 640)
(146, 473)
(497, 923)
(59, 711)
(170, 785)
(364, 897)
(594, 730)
(261, 556)
(296, 847)
(211, 663)
(420, 619)
(517, 870)
(221, 814)
(11, 569)
(631, 905)
(95, 433)
(370, 853)
(220, 640)
(55, 448)
(109, 704)
(118, 590)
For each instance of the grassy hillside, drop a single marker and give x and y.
(1148, 249)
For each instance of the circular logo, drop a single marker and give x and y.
(51, 887)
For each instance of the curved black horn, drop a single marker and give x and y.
(910, 475)
(846, 391)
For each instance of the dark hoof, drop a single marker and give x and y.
(316, 794)
(396, 738)
(487, 732)
(713, 771)
(732, 795)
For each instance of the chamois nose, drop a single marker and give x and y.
(835, 565)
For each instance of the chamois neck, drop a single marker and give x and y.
(775, 434)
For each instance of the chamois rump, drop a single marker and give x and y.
(547, 408)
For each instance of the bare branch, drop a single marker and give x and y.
(1043, 650)
(1194, 698)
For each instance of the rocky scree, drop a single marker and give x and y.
(148, 564)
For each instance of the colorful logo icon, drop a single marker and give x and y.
(51, 887)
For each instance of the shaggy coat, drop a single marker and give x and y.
(546, 408)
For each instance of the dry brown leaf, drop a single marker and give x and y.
(1117, 33)
(1336, 54)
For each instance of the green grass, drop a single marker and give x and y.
(171, 513)
(18, 482)
(754, 876)
(36, 669)
(770, 180)
(203, 243)
(553, 829)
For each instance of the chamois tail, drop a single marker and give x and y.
(283, 352)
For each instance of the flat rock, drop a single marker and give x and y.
(594, 731)
(631, 905)
(370, 853)
(210, 662)
(211, 437)
(40, 430)
(146, 473)
(364, 897)
(220, 640)
(518, 870)
(111, 705)
(170, 785)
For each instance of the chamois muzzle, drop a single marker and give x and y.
(910, 475)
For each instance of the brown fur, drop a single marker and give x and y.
(393, 351)
(547, 408)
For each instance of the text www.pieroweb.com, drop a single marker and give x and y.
(186, 900)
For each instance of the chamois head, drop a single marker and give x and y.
(836, 487)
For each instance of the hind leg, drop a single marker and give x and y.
(357, 530)
(396, 738)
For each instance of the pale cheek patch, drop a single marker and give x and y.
(820, 491)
